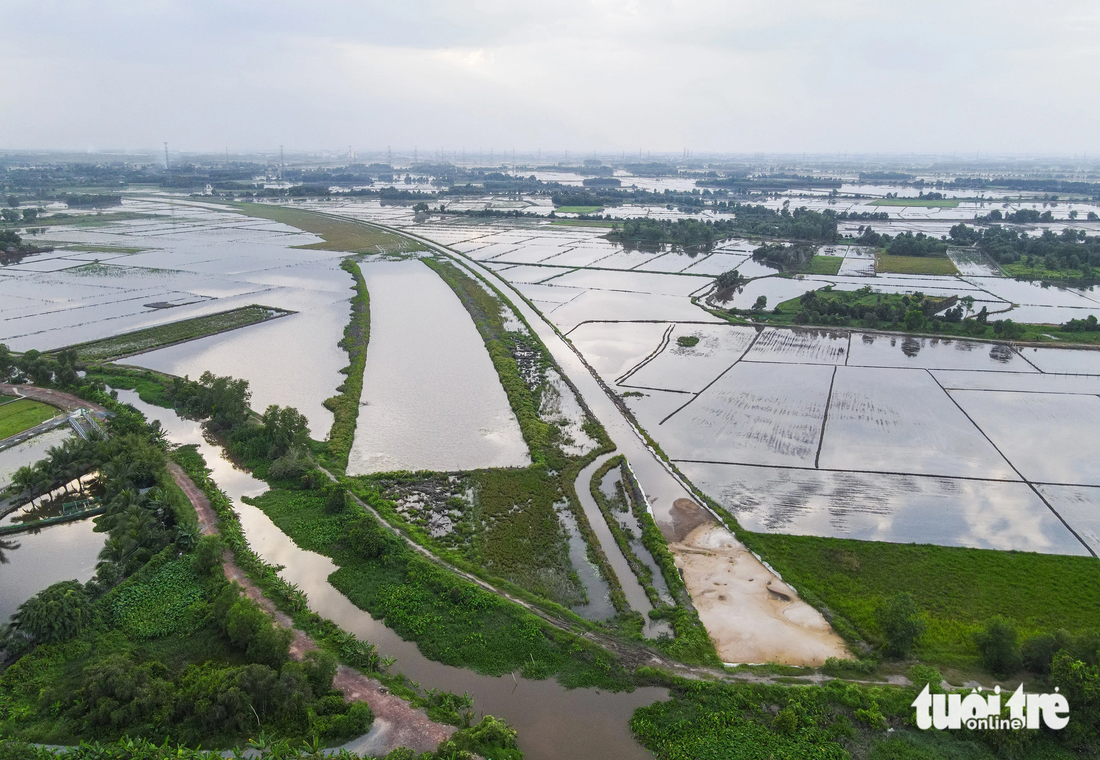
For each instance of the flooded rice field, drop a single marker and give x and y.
(187, 260)
(431, 397)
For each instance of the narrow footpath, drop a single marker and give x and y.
(396, 722)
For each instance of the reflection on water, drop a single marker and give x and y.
(431, 397)
(553, 722)
(45, 557)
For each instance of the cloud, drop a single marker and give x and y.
(582, 74)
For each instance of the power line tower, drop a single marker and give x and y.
(167, 169)
(280, 163)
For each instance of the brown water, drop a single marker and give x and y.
(553, 722)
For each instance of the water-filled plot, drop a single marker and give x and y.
(693, 367)
(715, 264)
(876, 350)
(1055, 360)
(1080, 508)
(431, 397)
(634, 282)
(610, 305)
(900, 420)
(894, 508)
(775, 289)
(1025, 382)
(1049, 438)
(614, 348)
(650, 407)
(800, 346)
(755, 413)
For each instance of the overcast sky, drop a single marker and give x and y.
(603, 75)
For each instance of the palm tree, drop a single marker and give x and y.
(6, 545)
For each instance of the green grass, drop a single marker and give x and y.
(935, 265)
(88, 220)
(585, 223)
(834, 721)
(823, 265)
(121, 249)
(957, 589)
(916, 202)
(345, 406)
(578, 209)
(17, 416)
(161, 604)
(337, 234)
(151, 338)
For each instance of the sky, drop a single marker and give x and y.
(883, 76)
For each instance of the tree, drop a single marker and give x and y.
(30, 214)
(10, 214)
(1073, 214)
(761, 303)
(899, 619)
(56, 613)
(1093, 216)
(284, 428)
(997, 644)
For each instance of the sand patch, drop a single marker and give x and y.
(750, 614)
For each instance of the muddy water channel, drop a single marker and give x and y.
(553, 722)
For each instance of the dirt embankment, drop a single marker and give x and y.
(60, 399)
(396, 722)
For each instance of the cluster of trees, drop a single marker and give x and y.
(908, 244)
(785, 258)
(223, 403)
(230, 674)
(1071, 251)
(578, 198)
(41, 369)
(864, 307)
(13, 215)
(800, 224)
(862, 216)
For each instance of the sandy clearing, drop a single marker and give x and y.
(750, 614)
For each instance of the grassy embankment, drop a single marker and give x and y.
(150, 338)
(345, 405)
(934, 265)
(917, 202)
(22, 414)
(338, 235)
(690, 644)
(87, 220)
(585, 223)
(578, 209)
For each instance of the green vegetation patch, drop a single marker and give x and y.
(578, 209)
(166, 602)
(687, 341)
(585, 223)
(834, 721)
(956, 589)
(345, 406)
(23, 414)
(935, 265)
(917, 202)
(452, 620)
(823, 265)
(337, 234)
(151, 338)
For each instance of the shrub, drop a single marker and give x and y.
(207, 556)
(997, 644)
(898, 618)
(1037, 652)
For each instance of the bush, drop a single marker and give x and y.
(997, 644)
(207, 556)
(898, 618)
(1037, 652)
